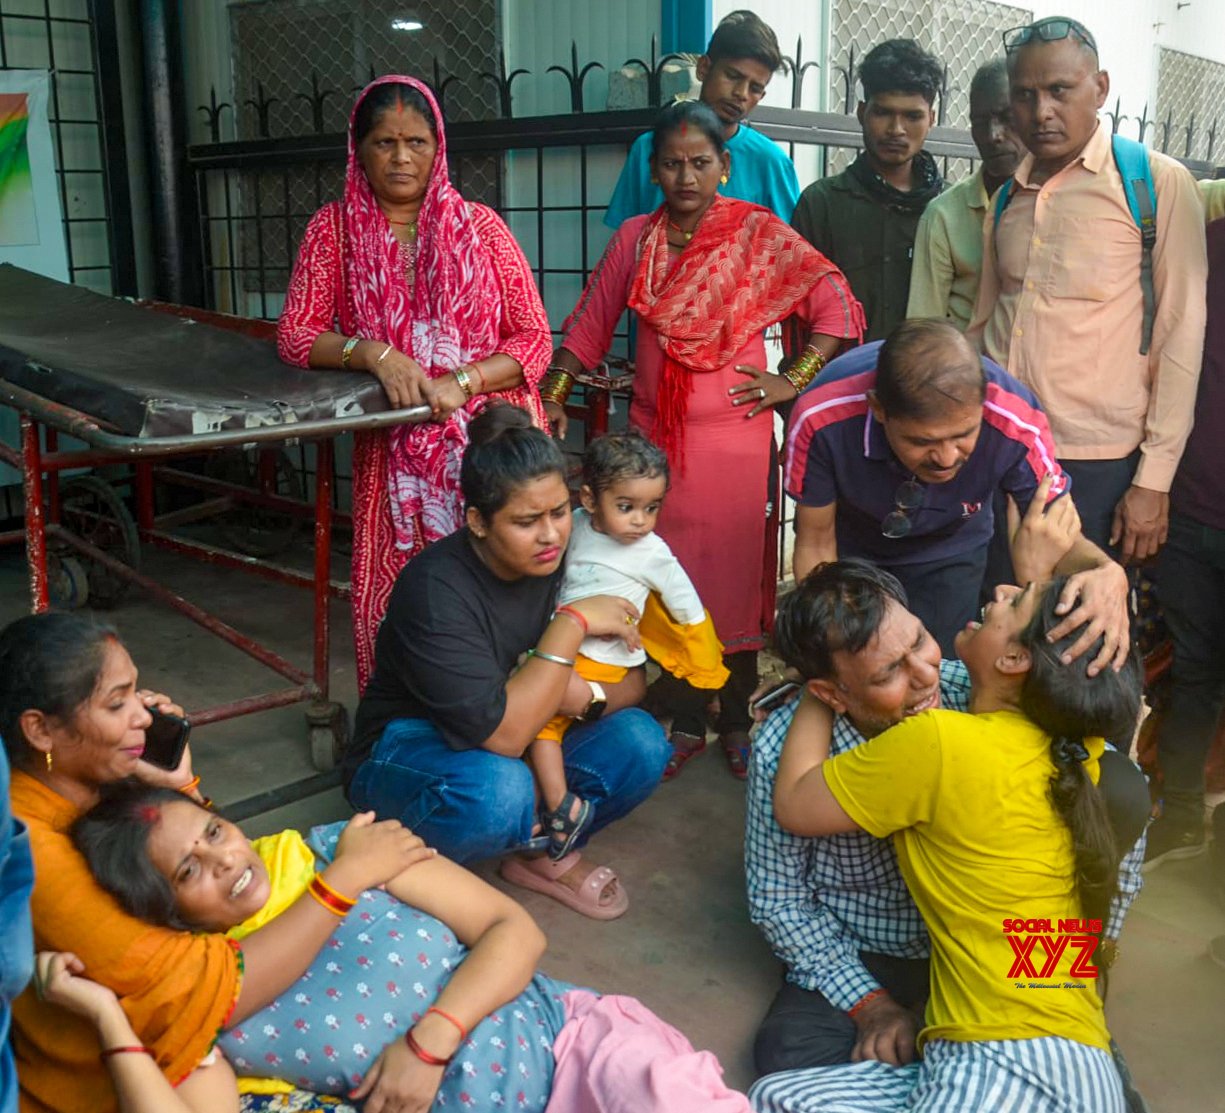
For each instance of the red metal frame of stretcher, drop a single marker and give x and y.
(108, 447)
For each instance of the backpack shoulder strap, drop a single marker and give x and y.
(1131, 158)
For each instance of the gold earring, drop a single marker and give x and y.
(654, 180)
(724, 179)
(48, 757)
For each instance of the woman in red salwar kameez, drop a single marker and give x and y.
(405, 279)
(705, 276)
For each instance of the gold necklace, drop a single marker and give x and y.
(687, 235)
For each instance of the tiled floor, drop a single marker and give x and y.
(686, 946)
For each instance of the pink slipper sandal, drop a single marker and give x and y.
(541, 876)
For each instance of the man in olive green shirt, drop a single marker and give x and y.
(1212, 194)
(948, 250)
(864, 219)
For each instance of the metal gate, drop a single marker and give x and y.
(76, 41)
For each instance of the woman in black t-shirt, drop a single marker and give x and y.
(448, 713)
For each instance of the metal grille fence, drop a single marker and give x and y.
(1190, 101)
(76, 40)
(963, 34)
(271, 42)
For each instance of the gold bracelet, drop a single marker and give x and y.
(465, 381)
(347, 351)
(805, 368)
(557, 385)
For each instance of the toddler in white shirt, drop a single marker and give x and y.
(613, 550)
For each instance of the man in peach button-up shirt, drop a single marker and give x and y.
(1060, 303)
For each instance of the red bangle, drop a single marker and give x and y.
(574, 614)
(330, 899)
(108, 1052)
(190, 786)
(422, 1054)
(463, 1032)
(866, 1000)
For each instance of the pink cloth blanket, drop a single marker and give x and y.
(616, 1056)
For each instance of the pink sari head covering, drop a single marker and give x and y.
(450, 316)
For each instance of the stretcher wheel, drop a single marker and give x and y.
(67, 582)
(256, 530)
(91, 509)
(329, 734)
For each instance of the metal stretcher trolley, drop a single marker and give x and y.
(144, 383)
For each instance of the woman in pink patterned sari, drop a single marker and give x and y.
(430, 294)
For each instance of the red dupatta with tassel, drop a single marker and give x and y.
(743, 270)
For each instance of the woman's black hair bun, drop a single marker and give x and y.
(495, 420)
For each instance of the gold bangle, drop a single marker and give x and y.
(465, 381)
(797, 382)
(346, 352)
(805, 368)
(557, 386)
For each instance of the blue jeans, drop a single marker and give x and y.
(473, 804)
(944, 593)
(1097, 486)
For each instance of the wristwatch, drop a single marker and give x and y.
(599, 701)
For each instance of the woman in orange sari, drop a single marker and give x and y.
(706, 275)
(73, 722)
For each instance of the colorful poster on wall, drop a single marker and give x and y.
(18, 224)
(31, 220)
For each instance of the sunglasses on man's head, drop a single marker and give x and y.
(1048, 31)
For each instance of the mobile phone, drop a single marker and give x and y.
(776, 696)
(165, 739)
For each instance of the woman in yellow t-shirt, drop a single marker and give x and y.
(1005, 846)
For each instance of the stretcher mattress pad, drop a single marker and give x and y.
(148, 374)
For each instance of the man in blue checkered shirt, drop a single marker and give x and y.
(835, 909)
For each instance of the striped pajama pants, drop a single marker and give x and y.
(1046, 1075)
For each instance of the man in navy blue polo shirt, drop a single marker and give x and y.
(894, 454)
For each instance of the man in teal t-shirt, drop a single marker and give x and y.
(742, 57)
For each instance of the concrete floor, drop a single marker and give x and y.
(686, 946)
